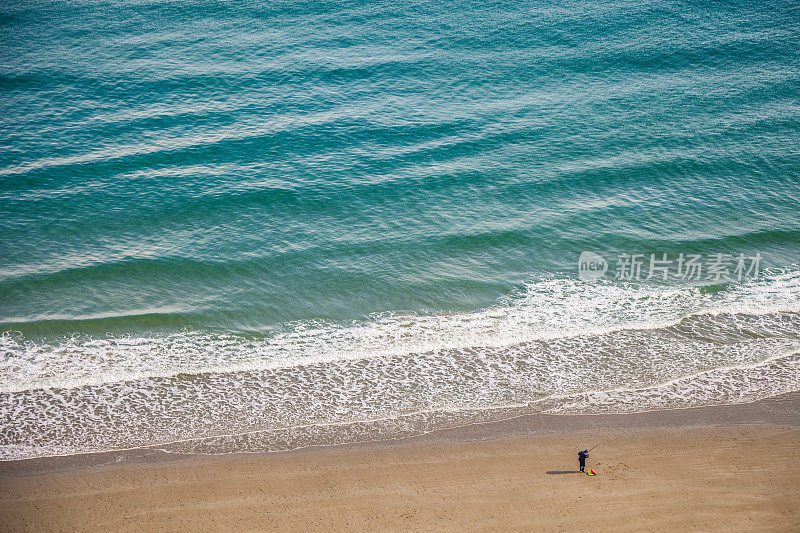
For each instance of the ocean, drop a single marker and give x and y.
(249, 226)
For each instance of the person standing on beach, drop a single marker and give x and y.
(582, 459)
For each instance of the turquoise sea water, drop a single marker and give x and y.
(267, 221)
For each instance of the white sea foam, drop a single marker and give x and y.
(560, 345)
(548, 308)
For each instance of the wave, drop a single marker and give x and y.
(727, 386)
(220, 419)
(546, 309)
(559, 345)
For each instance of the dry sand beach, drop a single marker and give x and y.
(730, 468)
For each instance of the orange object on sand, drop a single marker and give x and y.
(592, 473)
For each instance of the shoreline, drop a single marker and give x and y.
(780, 410)
(731, 467)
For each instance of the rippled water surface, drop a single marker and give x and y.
(264, 226)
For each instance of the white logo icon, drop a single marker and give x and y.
(591, 266)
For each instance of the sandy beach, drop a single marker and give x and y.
(709, 469)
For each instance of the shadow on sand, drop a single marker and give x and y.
(555, 472)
